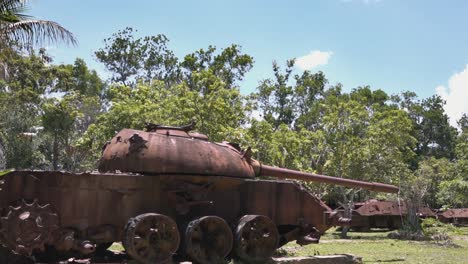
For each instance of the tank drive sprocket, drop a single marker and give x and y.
(28, 226)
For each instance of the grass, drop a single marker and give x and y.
(375, 247)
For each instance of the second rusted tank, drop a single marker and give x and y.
(167, 192)
(383, 214)
(455, 216)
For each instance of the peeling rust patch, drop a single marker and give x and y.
(137, 143)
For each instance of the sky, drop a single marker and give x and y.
(393, 45)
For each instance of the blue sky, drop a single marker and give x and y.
(394, 45)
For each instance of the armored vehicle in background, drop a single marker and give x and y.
(382, 214)
(167, 192)
(455, 216)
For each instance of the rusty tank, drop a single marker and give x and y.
(383, 214)
(166, 193)
(455, 216)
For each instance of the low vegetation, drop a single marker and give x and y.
(376, 247)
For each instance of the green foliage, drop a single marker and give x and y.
(44, 109)
(229, 66)
(129, 59)
(453, 193)
(435, 137)
(453, 190)
(4, 172)
(275, 97)
(434, 229)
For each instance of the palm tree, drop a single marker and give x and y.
(23, 29)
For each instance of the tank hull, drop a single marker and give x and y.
(98, 206)
(383, 214)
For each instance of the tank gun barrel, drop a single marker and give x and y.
(282, 173)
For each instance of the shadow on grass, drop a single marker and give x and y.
(351, 236)
(386, 260)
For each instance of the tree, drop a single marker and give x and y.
(65, 118)
(2, 155)
(15, 26)
(45, 108)
(308, 94)
(453, 191)
(129, 58)
(57, 119)
(275, 97)
(230, 65)
(79, 78)
(21, 96)
(436, 137)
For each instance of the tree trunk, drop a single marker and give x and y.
(412, 223)
(55, 153)
(348, 207)
(2, 157)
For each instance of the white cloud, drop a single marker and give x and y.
(456, 95)
(313, 59)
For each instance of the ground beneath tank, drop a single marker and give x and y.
(111, 257)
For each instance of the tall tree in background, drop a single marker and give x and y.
(453, 191)
(229, 65)
(44, 110)
(129, 58)
(16, 26)
(436, 137)
(275, 97)
(308, 94)
(21, 97)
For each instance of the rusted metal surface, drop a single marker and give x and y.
(28, 226)
(281, 173)
(456, 216)
(208, 239)
(171, 152)
(382, 214)
(157, 187)
(152, 238)
(390, 208)
(256, 238)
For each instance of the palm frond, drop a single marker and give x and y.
(12, 6)
(37, 32)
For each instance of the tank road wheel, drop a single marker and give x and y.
(28, 227)
(151, 238)
(208, 240)
(255, 239)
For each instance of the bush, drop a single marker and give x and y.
(436, 230)
(431, 229)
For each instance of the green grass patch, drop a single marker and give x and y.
(117, 247)
(375, 247)
(2, 173)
